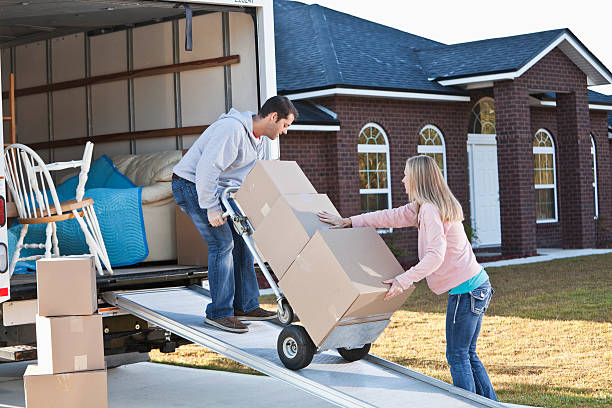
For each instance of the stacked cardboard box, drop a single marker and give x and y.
(71, 370)
(331, 277)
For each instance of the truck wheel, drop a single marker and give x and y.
(295, 348)
(285, 313)
(354, 354)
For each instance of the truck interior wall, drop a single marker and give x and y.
(153, 47)
(5, 67)
(202, 92)
(244, 75)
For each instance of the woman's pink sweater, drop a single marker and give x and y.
(445, 254)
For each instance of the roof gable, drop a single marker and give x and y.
(507, 58)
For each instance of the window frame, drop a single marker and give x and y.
(424, 149)
(547, 150)
(370, 148)
(595, 185)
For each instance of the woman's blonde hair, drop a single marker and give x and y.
(427, 185)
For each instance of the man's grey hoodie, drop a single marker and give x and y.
(221, 157)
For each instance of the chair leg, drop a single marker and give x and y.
(55, 241)
(18, 246)
(95, 247)
(49, 233)
(92, 221)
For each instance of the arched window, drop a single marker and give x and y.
(545, 177)
(482, 119)
(431, 143)
(374, 174)
(595, 198)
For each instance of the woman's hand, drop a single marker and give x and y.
(334, 220)
(394, 290)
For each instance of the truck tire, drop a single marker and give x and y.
(294, 347)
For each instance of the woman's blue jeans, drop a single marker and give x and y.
(463, 320)
(231, 274)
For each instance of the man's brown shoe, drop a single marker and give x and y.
(256, 314)
(230, 324)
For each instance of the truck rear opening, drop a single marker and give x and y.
(120, 74)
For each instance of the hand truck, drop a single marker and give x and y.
(294, 345)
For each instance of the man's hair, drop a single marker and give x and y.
(279, 104)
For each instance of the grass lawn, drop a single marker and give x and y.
(546, 339)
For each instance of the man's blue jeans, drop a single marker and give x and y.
(463, 320)
(231, 274)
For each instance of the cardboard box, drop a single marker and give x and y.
(69, 343)
(70, 390)
(338, 278)
(191, 249)
(66, 286)
(292, 221)
(267, 181)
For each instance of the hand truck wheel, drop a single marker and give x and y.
(354, 354)
(285, 312)
(294, 347)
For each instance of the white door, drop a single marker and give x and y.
(484, 190)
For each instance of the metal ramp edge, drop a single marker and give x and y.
(267, 367)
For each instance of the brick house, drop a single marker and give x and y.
(510, 121)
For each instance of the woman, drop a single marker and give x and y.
(446, 260)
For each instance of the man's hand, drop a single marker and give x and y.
(215, 218)
(394, 290)
(334, 220)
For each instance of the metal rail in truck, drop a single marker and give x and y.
(370, 382)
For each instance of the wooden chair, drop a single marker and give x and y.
(30, 182)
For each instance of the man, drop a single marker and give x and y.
(222, 157)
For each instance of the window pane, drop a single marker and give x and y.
(363, 179)
(382, 177)
(363, 161)
(382, 161)
(373, 202)
(371, 161)
(548, 177)
(545, 203)
(373, 180)
(439, 161)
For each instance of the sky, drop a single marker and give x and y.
(457, 21)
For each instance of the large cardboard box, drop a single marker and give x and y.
(191, 249)
(71, 390)
(267, 181)
(337, 279)
(69, 343)
(66, 286)
(292, 221)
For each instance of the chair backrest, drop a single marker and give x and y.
(30, 181)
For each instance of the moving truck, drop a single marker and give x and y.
(134, 77)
